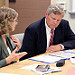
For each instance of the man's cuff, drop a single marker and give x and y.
(62, 46)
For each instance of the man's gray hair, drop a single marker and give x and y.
(56, 9)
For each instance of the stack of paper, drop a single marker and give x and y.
(54, 57)
(46, 59)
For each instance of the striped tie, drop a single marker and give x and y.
(52, 35)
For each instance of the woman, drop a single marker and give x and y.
(8, 21)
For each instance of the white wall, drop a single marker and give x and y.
(69, 17)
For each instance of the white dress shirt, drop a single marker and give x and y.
(48, 35)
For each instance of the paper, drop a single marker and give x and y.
(65, 54)
(32, 67)
(70, 51)
(46, 59)
(54, 57)
(7, 74)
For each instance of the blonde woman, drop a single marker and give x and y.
(8, 22)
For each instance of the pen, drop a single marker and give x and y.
(40, 61)
(34, 60)
(67, 59)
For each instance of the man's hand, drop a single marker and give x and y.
(54, 48)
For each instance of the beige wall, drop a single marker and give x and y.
(4, 3)
(29, 12)
(69, 17)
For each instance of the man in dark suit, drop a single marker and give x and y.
(37, 35)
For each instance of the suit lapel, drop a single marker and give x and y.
(57, 35)
(43, 35)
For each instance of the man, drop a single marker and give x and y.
(38, 35)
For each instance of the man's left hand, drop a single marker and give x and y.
(54, 48)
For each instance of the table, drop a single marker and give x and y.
(16, 68)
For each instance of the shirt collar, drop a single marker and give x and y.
(49, 29)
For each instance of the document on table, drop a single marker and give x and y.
(54, 57)
(33, 68)
(65, 53)
(46, 59)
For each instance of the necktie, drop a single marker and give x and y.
(51, 39)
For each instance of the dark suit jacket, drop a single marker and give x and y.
(35, 40)
(3, 51)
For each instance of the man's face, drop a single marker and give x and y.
(53, 20)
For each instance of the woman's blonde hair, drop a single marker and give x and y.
(7, 15)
